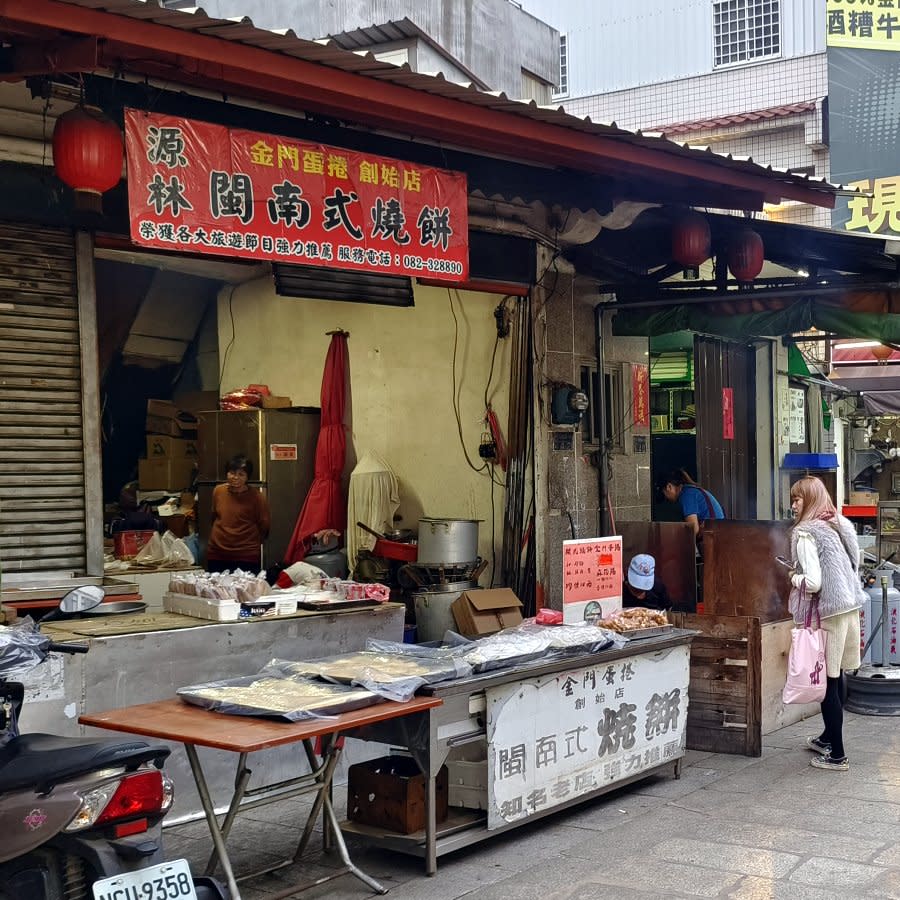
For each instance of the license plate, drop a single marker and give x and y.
(168, 881)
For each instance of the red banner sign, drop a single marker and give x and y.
(640, 392)
(728, 414)
(205, 188)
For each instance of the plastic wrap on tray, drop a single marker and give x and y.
(283, 696)
(529, 642)
(516, 646)
(395, 676)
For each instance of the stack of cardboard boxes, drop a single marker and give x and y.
(171, 449)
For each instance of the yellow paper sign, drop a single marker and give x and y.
(865, 24)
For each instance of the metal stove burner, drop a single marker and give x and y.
(414, 576)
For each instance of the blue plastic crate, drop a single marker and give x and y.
(817, 461)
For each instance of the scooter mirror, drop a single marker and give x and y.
(82, 599)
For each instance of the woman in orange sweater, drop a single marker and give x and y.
(240, 521)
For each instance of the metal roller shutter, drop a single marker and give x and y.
(42, 493)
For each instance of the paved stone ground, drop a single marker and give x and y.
(731, 827)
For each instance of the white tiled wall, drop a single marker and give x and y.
(724, 92)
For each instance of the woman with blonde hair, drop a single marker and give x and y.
(826, 582)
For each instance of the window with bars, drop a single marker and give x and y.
(614, 390)
(562, 84)
(745, 30)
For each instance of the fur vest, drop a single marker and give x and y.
(838, 551)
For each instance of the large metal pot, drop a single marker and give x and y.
(443, 541)
(433, 614)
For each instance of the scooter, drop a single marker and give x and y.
(80, 817)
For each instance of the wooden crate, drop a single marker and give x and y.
(738, 668)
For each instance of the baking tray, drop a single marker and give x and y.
(235, 696)
(323, 605)
(637, 633)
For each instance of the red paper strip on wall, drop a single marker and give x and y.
(640, 392)
(728, 414)
(203, 188)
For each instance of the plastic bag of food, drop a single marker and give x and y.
(22, 647)
(153, 553)
(244, 398)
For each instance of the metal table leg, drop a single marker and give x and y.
(430, 823)
(209, 810)
(241, 777)
(331, 750)
(344, 853)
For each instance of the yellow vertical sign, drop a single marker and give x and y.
(864, 24)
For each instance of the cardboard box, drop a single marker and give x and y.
(164, 417)
(389, 793)
(483, 612)
(273, 401)
(165, 445)
(177, 524)
(164, 408)
(198, 401)
(172, 427)
(862, 498)
(165, 474)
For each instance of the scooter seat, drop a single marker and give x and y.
(43, 760)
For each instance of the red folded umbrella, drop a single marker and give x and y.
(325, 506)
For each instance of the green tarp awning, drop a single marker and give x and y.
(794, 318)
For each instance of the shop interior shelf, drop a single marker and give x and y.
(859, 512)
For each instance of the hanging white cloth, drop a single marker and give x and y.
(373, 498)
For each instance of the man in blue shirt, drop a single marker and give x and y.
(697, 504)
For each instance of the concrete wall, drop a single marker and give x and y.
(401, 371)
(564, 341)
(471, 31)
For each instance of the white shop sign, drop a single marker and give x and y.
(554, 738)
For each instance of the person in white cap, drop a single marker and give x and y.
(641, 586)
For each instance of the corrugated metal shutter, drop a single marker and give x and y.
(42, 497)
(726, 467)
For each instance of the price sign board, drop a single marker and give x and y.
(592, 577)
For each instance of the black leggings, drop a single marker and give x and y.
(833, 716)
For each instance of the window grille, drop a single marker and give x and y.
(562, 88)
(745, 30)
(614, 390)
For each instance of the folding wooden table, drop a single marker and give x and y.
(174, 720)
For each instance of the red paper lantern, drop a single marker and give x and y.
(691, 240)
(746, 255)
(87, 151)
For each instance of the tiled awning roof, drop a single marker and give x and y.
(759, 115)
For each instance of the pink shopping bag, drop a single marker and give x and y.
(806, 663)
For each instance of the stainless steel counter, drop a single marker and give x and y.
(473, 712)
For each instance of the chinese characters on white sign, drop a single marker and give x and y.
(558, 737)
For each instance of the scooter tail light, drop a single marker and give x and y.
(145, 793)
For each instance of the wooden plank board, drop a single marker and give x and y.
(726, 663)
(740, 575)
(775, 714)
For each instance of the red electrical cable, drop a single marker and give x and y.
(497, 435)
